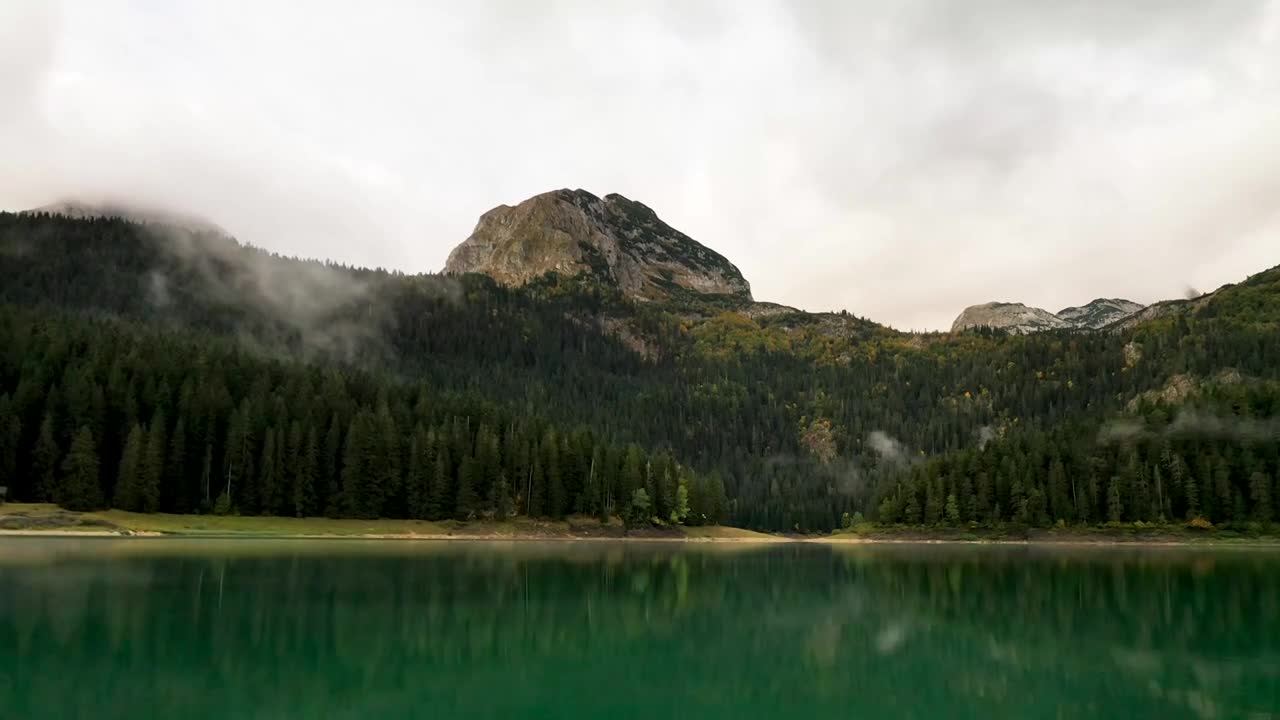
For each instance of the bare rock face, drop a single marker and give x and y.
(1014, 317)
(1100, 313)
(615, 239)
(1019, 318)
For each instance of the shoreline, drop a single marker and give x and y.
(762, 539)
(44, 520)
(431, 537)
(1083, 542)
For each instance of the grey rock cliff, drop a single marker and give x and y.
(1019, 318)
(618, 240)
(1014, 317)
(1099, 313)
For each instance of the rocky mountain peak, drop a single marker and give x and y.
(1019, 318)
(620, 241)
(1014, 317)
(1099, 313)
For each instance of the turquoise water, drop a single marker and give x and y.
(195, 629)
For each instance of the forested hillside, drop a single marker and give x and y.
(802, 418)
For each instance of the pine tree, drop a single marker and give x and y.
(468, 502)
(556, 497)
(1115, 506)
(1140, 497)
(1191, 491)
(1037, 507)
(440, 496)
(236, 464)
(985, 491)
(151, 471)
(933, 502)
(968, 500)
(1157, 479)
(176, 478)
(387, 491)
(911, 507)
(268, 478)
(593, 493)
(668, 486)
(206, 478)
(305, 503)
(44, 461)
(79, 489)
(536, 490)
(1224, 489)
(1018, 502)
(1060, 505)
(680, 510)
(953, 510)
(361, 469)
(1260, 494)
(129, 493)
(10, 435)
(290, 466)
(639, 511)
(329, 477)
(417, 476)
(500, 498)
(718, 510)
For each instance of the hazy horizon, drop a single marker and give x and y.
(901, 163)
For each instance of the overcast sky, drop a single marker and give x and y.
(897, 159)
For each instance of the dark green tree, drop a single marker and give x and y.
(129, 493)
(79, 489)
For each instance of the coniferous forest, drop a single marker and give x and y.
(154, 369)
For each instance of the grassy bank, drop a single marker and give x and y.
(1147, 534)
(43, 518)
(50, 519)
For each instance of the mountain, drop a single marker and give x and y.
(459, 396)
(615, 240)
(1014, 317)
(80, 209)
(1099, 313)
(1021, 319)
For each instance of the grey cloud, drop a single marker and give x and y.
(1191, 422)
(309, 297)
(1122, 432)
(984, 435)
(888, 448)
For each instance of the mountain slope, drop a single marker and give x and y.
(804, 417)
(616, 240)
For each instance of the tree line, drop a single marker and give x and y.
(102, 413)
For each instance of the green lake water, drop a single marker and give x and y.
(196, 629)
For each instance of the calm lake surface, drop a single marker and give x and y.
(194, 629)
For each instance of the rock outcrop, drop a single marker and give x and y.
(1013, 317)
(619, 241)
(1019, 318)
(1099, 313)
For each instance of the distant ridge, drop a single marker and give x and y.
(1021, 319)
(81, 209)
